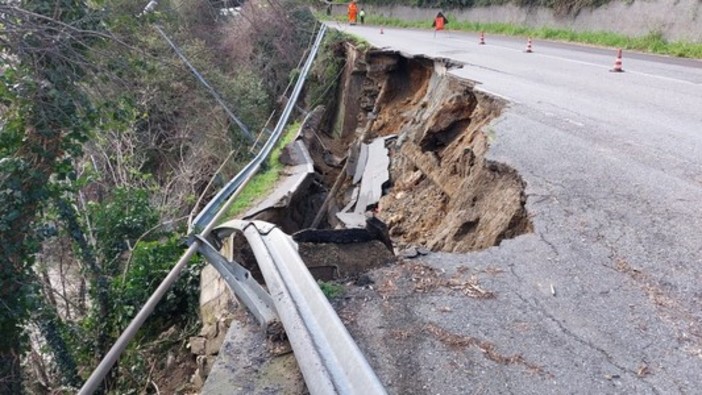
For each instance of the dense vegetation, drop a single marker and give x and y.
(107, 143)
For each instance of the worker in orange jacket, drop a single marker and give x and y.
(353, 12)
(439, 23)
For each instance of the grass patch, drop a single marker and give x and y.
(331, 290)
(266, 178)
(653, 42)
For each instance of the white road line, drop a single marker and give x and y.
(581, 62)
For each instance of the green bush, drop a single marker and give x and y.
(121, 219)
(151, 261)
(331, 290)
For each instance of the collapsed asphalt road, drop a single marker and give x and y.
(603, 296)
(587, 181)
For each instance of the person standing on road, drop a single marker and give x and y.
(439, 23)
(353, 12)
(362, 16)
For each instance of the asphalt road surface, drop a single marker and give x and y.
(605, 296)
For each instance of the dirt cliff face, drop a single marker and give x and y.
(444, 194)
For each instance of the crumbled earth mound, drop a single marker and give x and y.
(443, 194)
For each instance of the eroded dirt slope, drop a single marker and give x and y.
(443, 193)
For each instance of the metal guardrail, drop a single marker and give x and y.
(245, 287)
(225, 193)
(205, 220)
(329, 359)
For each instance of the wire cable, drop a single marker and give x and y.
(214, 93)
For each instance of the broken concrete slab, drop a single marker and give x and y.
(375, 175)
(352, 220)
(352, 200)
(360, 163)
(297, 176)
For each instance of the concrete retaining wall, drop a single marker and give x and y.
(675, 19)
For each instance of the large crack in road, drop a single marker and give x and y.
(442, 194)
(603, 157)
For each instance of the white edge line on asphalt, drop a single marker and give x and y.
(597, 65)
(660, 77)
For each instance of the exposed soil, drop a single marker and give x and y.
(443, 193)
(334, 261)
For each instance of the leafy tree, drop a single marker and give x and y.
(47, 118)
(119, 221)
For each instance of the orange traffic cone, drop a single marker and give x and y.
(528, 47)
(618, 63)
(482, 38)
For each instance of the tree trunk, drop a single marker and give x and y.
(10, 370)
(46, 285)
